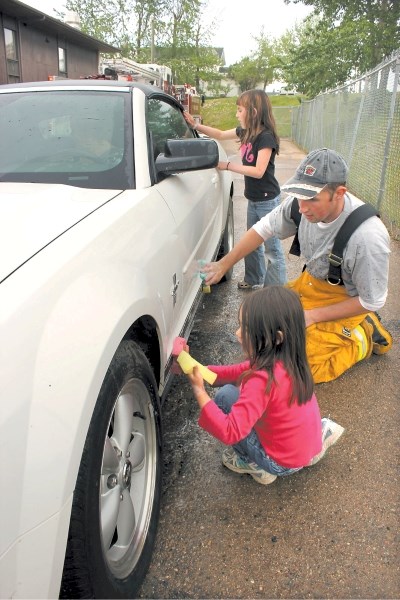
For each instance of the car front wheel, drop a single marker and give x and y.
(117, 496)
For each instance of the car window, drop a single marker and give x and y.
(72, 137)
(165, 122)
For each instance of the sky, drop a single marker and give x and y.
(236, 23)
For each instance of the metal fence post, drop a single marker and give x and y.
(388, 133)
(357, 123)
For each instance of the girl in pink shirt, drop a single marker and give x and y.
(266, 410)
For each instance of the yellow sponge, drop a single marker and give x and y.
(186, 363)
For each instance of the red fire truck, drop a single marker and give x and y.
(188, 96)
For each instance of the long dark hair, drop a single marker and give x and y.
(259, 115)
(273, 328)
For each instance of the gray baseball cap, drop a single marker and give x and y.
(319, 167)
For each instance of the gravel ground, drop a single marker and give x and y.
(330, 531)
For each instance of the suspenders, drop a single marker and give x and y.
(358, 216)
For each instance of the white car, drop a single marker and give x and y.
(109, 202)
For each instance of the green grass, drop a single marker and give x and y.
(221, 113)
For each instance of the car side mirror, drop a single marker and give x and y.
(187, 155)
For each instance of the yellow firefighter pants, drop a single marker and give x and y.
(332, 346)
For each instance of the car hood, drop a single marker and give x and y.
(33, 214)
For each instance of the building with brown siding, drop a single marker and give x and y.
(36, 47)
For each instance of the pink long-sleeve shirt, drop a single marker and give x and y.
(289, 434)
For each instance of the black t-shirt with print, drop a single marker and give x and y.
(267, 187)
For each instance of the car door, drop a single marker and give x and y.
(194, 199)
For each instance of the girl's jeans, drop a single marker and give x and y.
(250, 448)
(256, 271)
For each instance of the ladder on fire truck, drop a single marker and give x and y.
(129, 70)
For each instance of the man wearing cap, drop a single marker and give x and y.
(342, 325)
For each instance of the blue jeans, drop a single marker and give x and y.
(250, 448)
(266, 265)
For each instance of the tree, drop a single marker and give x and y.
(259, 68)
(265, 58)
(375, 25)
(185, 44)
(173, 29)
(316, 56)
(327, 50)
(246, 73)
(106, 20)
(112, 21)
(217, 88)
(146, 12)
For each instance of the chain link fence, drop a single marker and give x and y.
(361, 121)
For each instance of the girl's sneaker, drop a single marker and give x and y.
(331, 432)
(234, 462)
(243, 285)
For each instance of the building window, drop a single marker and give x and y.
(13, 71)
(62, 61)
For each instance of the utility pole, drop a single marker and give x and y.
(152, 60)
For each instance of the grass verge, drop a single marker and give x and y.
(221, 113)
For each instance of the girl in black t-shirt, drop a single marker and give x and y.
(259, 144)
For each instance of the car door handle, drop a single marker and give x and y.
(214, 179)
(174, 288)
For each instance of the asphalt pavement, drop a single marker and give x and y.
(330, 531)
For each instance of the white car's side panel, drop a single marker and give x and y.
(53, 380)
(192, 197)
(40, 556)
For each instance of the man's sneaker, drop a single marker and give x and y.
(382, 341)
(331, 432)
(232, 461)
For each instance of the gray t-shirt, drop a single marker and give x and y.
(365, 267)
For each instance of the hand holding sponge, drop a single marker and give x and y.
(187, 362)
(206, 289)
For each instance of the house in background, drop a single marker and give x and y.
(220, 52)
(36, 47)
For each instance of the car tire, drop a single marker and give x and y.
(117, 497)
(228, 239)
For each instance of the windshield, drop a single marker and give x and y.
(81, 138)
